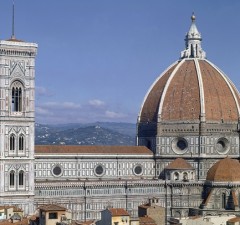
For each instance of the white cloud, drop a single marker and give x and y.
(96, 103)
(42, 91)
(71, 112)
(114, 115)
(61, 105)
(42, 111)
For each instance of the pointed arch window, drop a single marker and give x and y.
(12, 142)
(21, 142)
(12, 178)
(17, 96)
(21, 178)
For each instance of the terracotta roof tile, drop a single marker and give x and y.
(235, 219)
(80, 149)
(150, 108)
(146, 220)
(51, 207)
(225, 170)
(24, 221)
(118, 212)
(219, 100)
(179, 163)
(182, 100)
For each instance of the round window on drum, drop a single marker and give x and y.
(99, 170)
(57, 170)
(179, 145)
(222, 145)
(138, 170)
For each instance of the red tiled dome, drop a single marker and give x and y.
(191, 89)
(225, 170)
(179, 163)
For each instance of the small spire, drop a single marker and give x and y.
(13, 21)
(193, 41)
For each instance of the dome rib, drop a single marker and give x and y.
(229, 83)
(201, 91)
(146, 114)
(182, 101)
(166, 88)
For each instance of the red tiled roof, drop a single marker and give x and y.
(24, 221)
(235, 219)
(146, 220)
(225, 170)
(80, 149)
(51, 207)
(179, 163)
(118, 212)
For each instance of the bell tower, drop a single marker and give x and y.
(17, 119)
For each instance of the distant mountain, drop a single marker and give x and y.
(99, 133)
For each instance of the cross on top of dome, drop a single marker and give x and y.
(193, 41)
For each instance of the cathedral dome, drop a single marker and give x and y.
(225, 170)
(192, 89)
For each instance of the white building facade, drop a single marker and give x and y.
(17, 74)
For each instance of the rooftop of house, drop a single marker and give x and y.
(51, 207)
(118, 212)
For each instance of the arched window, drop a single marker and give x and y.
(12, 178)
(21, 143)
(223, 200)
(21, 178)
(12, 142)
(17, 89)
(185, 176)
(176, 176)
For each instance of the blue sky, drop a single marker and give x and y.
(98, 58)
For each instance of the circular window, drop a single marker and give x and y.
(138, 170)
(179, 145)
(57, 170)
(222, 145)
(99, 170)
